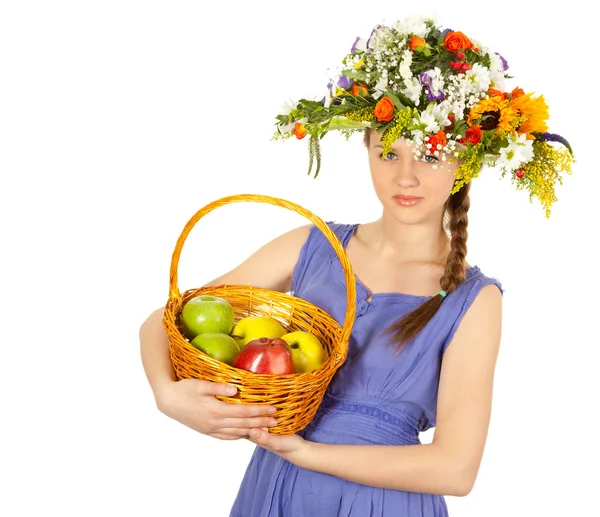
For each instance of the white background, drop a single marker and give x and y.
(120, 119)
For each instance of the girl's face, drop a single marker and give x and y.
(399, 174)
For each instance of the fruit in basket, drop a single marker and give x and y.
(307, 351)
(265, 355)
(217, 345)
(206, 313)
(254, 327)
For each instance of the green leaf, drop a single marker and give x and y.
(311, 153)
(337, 123)
(358, 75)
(395, 100)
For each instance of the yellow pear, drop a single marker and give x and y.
(254, 327)
(307, 351)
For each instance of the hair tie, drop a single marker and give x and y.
(443, 293)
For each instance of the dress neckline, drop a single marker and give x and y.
(364, 293)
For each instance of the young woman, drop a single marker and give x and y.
(424, 344)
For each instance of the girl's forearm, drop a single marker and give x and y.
(154, 349)
(425, 468)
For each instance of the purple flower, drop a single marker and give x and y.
(427, 80)
(552, 137)
(435, 97)
(504, 63)
(353, 49)
(371, 35)
(344, 82)
(446, 32)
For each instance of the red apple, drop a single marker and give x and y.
(266, 355)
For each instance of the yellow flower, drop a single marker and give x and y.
(543, 173)
(359, 64)
(469, 167)
(500, 115)
(360, 115)
(532, 112)
(401, 121)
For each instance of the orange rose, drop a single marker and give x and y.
(496, 93)
(416, 42)
(384, 110)
(472, 136)
(438, 139)
(517, 92)
(455, 41)
(299, 131)
(359, 90)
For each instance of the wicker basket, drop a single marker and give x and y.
(296, 396)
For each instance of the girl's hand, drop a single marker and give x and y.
(192, 402)
(290, 447)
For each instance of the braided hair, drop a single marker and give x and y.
(456, 220)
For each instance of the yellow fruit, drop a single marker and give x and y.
(255, 327)
(307, 351)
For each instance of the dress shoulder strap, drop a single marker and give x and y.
(317, 250)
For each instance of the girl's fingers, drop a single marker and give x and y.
(249, 423)
(223, 436)
(228, 410)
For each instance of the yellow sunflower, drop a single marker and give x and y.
(501, 116)
(533, 114)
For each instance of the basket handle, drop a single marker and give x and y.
(317, 221)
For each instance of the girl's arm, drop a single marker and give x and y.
(270, 267)
(449, 465)
(189, 401)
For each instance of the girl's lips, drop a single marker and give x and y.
(407, 200)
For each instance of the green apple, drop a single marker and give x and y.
(307, 351)
(255, 327)
(219, 346)
(207, 313)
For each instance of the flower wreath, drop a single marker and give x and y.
(445, 94)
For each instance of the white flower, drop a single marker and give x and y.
(412, 25)
(431, 123)
(480, 77)
(496, 69)
(437, 82)
(288, 106)
(286, 128)
(496, 64)
(435, 116)
(379, 37)
(412, 90)
(441, 111)
(497, 79)
(518, 152)
(404, 68)
(458, 108)
(381, 85)
(360, 44)
(405, 71)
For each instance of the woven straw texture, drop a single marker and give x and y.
(296, 396)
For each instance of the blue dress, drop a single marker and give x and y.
(376, 397)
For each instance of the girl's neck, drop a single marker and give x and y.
(405, 243)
